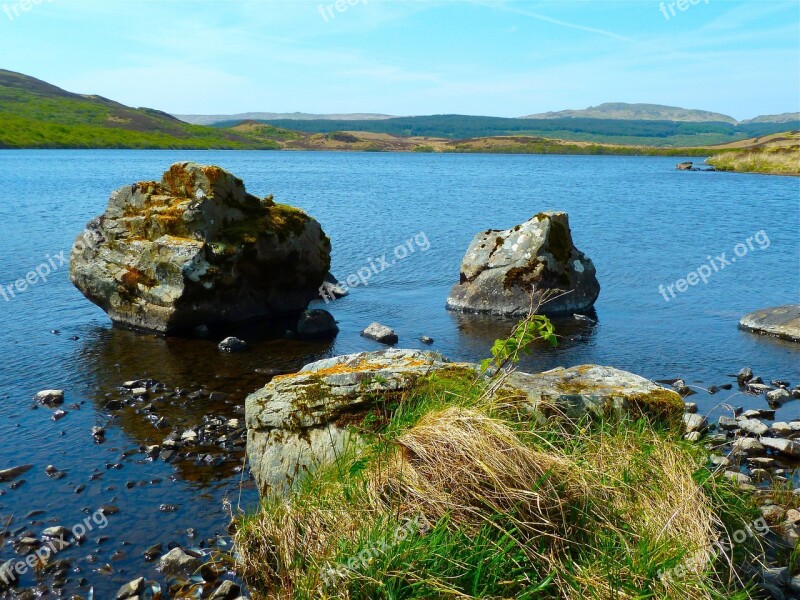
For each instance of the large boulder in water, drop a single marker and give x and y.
(195, 249)
(504, 271)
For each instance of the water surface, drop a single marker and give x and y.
(642, 223)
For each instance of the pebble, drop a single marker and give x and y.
(720, 461)
(178, 562)
(153, 552)
(758, 388)
(227, 590)
(760, 413)
(14, 472)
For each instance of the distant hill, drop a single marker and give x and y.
(792, 118)
(602, 131)
(266, 116)
(36, 114)
(638, 112)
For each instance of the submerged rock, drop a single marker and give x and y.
(197, 249)
(300, 420)
(504, 271)
(780, 321)
(317, 324)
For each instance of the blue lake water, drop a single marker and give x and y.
(643, 223)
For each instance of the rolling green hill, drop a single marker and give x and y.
(35, 114)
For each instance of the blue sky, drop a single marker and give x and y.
(403, 57)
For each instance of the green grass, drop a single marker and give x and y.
(511, 507)
(29, 119)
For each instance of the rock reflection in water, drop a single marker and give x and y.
(185, 401)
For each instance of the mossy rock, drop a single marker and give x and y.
(223, 255)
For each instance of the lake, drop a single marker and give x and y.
(643, 223)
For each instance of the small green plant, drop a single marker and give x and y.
(525, 333)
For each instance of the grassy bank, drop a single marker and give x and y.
(457, 492)
(772, 161)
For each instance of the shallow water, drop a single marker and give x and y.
(643, 224)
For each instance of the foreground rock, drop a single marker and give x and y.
(303, 419)
(197, 249)
(503, 270)
(779, 321)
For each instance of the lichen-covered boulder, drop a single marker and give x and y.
(304, 419)
(197, 249)
(301, 419)
(504, 272)
(592, 389)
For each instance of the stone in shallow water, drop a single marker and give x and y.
(778, 321)
(50, 397)
(380, 333)
(783, 446)
(504, 272)
(317, 324)
(178, 562)
(753, 426)
(197, 249)
(14, 472)
(232, 344)
(695, 423)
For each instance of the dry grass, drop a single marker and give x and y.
(777, 161)
(518, 509)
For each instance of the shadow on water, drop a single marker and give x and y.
(200, 384)
(477, 333)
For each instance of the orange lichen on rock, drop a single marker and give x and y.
(363, 366)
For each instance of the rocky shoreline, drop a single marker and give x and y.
(748, 446)
(761, 456)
